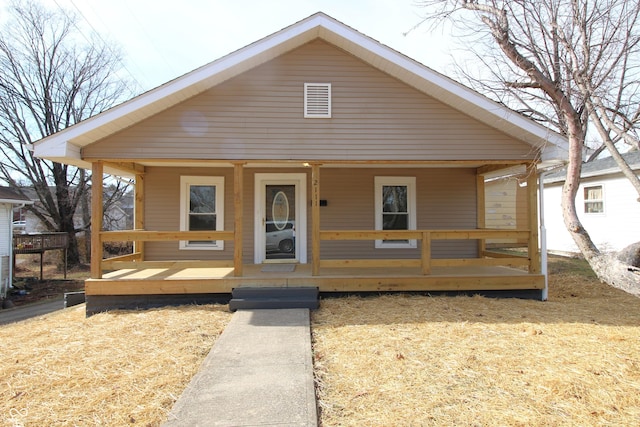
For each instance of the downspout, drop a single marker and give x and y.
(543, 237)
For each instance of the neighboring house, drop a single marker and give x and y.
(607, 205)
(117, 216)
(371, 163)
(9, 199)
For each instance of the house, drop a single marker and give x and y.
(606, 202)
(118, 213)
(371, 165)
(9, 199)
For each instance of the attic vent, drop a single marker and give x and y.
(317, 100)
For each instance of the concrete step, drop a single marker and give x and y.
(274, 298)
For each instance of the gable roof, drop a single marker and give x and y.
(8, 195)
(599, 167)
(65, 146)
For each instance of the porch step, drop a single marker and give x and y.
(274, 298)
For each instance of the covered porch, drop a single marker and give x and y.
(134, 274)
(183, 278)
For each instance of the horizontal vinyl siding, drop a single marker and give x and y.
(446, 200)
(613, 230)
(259, 115)
(162, 212)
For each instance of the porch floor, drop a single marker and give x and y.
(190, 280)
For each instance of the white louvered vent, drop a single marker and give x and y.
(317, 100)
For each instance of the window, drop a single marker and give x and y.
(395, 208)
(201, 208)
(593, 199)
(317, 100)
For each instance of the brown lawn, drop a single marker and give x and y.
(473, 361)
(112, 369)
(380, 361)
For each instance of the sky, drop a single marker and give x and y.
(166, 39)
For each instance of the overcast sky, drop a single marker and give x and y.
(165, 39)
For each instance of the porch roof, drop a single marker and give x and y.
(65, 146)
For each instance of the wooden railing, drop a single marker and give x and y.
(134, 260)
(425, 237)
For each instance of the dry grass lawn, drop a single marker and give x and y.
(473, 361)
(380, 361)
(112, 369)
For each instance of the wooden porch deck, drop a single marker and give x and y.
(201, 280)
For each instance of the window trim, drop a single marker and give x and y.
(185, 183)
(586, 201)
(410, 183)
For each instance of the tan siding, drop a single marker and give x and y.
(446, 200)
(162, 211)
(259, 115)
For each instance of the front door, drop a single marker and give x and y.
(280, 234)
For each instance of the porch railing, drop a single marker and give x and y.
(425, 237)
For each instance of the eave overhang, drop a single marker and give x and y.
(66, 145)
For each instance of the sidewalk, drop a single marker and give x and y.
(258, 373)
(16, 314)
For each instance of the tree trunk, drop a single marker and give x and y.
(66, 211)
(606, 266)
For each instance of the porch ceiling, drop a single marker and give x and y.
(301, 164)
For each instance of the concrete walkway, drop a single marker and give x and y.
(17, 314)
(258, 373)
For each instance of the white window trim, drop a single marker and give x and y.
(185, 183)
(408, 181)
(585, 201)
(315, 115)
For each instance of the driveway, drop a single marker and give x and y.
(16, 314)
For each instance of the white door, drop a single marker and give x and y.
(281, 218)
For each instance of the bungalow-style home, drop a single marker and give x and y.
(313, 158)
(606, 202)
(9, 199)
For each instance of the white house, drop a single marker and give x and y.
(8, 200)
(606, 202)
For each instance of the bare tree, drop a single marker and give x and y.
(50, 78)
(569, 63)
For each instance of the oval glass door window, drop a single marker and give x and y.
(280, 210)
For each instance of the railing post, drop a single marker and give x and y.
(426, 252)
(238, 188)
(315, 219)
(138, 213)
(535, 265)
(481, 213)
(97, 170)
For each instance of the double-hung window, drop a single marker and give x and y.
(202, 209)
(395, 208)
(593, 199)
